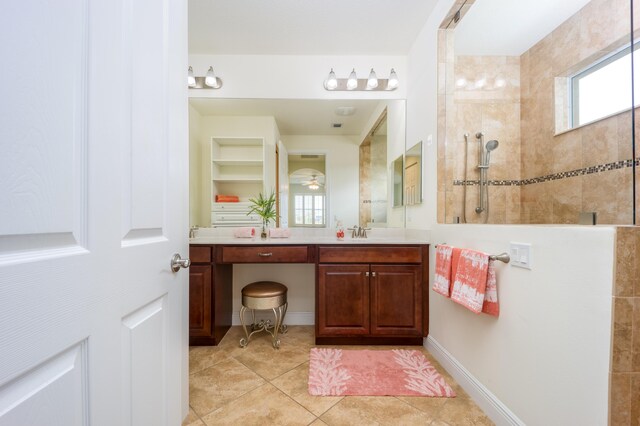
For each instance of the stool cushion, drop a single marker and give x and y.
(264, 289)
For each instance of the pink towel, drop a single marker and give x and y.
(470, 280)
(442, 281)
(279, 233)
(244, 232)
(490, 305)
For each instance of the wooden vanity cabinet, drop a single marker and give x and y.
(209, 297)
(372, 295)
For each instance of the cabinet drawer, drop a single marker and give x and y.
(200, 254)
(265, 254)
(390, 254)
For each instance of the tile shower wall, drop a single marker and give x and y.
(485, 94)
(535, 176)
(585, 169)
(624, 401)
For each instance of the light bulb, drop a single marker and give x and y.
(191, 79)
(352, 82)
(314, 186)
(372, 81)
(211, 80)
(392, 83)
(332, 81)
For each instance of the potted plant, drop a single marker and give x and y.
(266, 209)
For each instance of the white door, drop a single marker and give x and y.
(93, 203)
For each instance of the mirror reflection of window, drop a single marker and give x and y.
(307, 190)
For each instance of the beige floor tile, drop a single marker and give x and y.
(295, 384)
(261, 357)
(202, 357)
(234, 385)
(461, 412)
(265, 405)
(215, 386)
(192, 419)
(374, 410)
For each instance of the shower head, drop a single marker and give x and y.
(491, 145)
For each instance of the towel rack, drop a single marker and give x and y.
(502, 257)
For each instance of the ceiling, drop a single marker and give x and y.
(305, 27)
(295, 116)
(508, 27)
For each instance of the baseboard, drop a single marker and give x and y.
(487, 401)
(291, 318)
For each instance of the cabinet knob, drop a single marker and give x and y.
(366, 274)
(373, 274)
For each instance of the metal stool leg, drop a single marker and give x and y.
(283, 326)
(245, 340)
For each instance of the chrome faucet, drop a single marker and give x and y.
(358, 231)
(192, 231)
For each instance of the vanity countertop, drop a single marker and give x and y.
(377, 236)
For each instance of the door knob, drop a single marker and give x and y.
(177, 262)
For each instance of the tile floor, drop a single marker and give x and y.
(257, 385)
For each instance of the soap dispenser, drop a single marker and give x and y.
(339, 230)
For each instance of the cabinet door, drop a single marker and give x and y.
(396, 300)
(200, 301)
(342, 301)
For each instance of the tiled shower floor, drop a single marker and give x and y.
(257, 385)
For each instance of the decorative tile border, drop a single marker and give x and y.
(554, 176)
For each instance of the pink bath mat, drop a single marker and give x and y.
(363, 372)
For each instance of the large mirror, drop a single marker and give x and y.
(413, 175)
(329, 129)
(531, 130)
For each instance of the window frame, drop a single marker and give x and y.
(313, 209)
(574, 81)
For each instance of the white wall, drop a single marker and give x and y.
(294, 77)
(422, 113)
(547, 355)
(341, 172)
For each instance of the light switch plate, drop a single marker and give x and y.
(521, 255)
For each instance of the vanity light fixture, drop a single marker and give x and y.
(209, 81)
(372, 81)
(332, 81)
(354, 83)
(392, 83)
(191, 79)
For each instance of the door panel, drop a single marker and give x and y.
(392, 287)
(54, 392)
(144, 357)
(145, 59)
(343, 300)
(43, 129)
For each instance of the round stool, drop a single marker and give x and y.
(264, 295)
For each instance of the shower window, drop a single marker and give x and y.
(602, 89)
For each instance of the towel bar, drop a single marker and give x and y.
(502, 257)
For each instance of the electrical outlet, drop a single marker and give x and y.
(520, 254)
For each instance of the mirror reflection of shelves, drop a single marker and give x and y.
(237, 169)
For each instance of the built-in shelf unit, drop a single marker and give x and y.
(237, 168)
